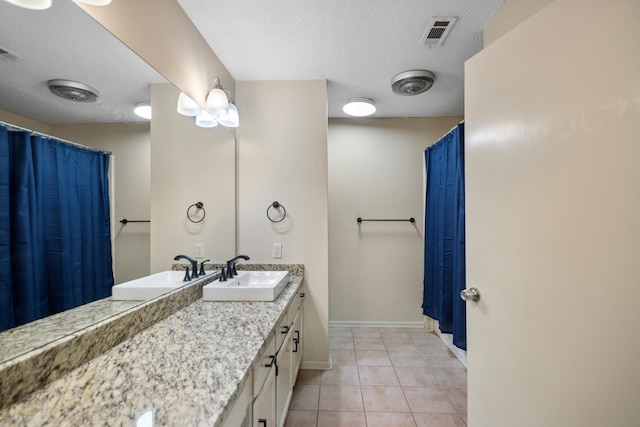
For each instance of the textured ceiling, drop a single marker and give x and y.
(63, 42)
(358, 45)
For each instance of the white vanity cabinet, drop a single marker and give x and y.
(296, 342)
(264, 386)
(284, 390)
(276, 372)
(289, 358)
(264, 405)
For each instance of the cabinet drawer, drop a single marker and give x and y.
(282, 328)
(266, 363)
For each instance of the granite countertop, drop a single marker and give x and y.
(185, 370)
(25, 338)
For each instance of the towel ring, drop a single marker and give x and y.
(198, 205)
(276, 205)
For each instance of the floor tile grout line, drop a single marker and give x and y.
(429, 367)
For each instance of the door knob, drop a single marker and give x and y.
(471, 294)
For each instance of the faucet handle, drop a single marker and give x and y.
(202, 273)
(187, 276)
(223, 275)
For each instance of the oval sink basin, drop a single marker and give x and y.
(247, 286)
(151, 286)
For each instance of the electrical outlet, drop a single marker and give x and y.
(199, 249)
(277, 250)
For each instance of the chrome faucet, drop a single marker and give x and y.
(231, 265)
(194, 264)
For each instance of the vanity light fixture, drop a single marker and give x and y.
(359, 107)
(187, 106)
(206, 120)
(232, 118)
(31, 4)
(219, 108)
(143, 109)
(217, 102)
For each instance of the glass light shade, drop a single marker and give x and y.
(187, 106)
(217, 103)
(359, 107)
(31, 4)
(206, 120)
(143, 109)
(231, 119)
(96, 2)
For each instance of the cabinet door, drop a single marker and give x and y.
(297, 342)
(284, 390)
(264, 406)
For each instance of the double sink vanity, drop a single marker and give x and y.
(176, 359)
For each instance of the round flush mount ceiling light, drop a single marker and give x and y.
(31, 4)
(412, 82)
(359, 107)
(73, 91)
(143, 109)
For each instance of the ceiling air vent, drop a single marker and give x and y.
(437, 30)
(7, 55)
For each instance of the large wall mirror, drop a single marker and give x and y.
(63, 42)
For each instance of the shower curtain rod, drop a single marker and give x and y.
(447, 133)
(11, 126)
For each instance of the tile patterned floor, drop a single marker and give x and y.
(382, 377)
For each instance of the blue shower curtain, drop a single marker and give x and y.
(444, 253)
(55, 238)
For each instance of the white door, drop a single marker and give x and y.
(553, 220)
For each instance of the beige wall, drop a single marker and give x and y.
(188, 165)
(130, 145)
(376, 170)
(162, 34)
(25, 122)
(282, 155)
(512, 13)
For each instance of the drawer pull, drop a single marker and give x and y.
(273, 360)
(297, 338)
(302, 294)
(263, 422)
(284, 330)
(295, 350)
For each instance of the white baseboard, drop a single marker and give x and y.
(447, 339)
(322, 366)
(375, 324)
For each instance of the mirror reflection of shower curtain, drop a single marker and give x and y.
(55, 238)
(444, 250)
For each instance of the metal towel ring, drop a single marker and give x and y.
(276, 205)
(198, 205)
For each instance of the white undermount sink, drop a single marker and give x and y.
(247, 286)
(151, 286)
